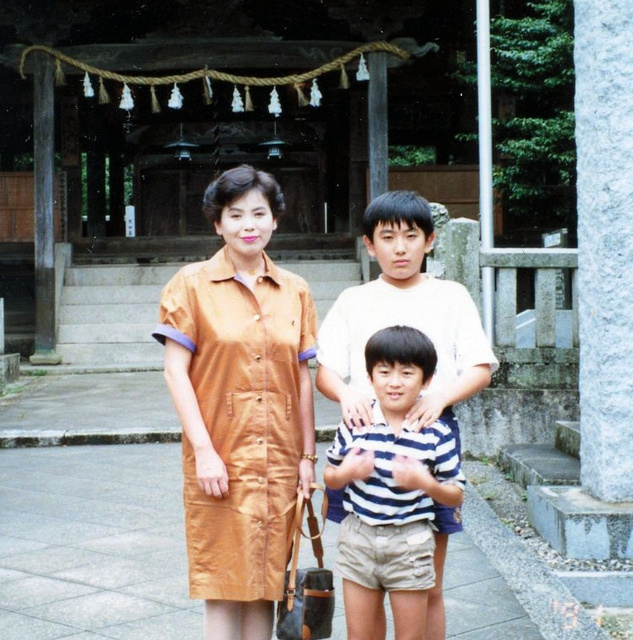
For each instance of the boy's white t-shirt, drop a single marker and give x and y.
(442, 309)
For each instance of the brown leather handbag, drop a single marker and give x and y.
(307, 609)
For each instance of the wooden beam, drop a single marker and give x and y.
(378, 124)
(219, 54)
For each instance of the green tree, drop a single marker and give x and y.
(532, 77)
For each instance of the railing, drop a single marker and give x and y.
(535, 298)
(553, 320)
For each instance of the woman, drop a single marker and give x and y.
(238, 333)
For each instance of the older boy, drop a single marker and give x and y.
(392, 473)
(398, 232)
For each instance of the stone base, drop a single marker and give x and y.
(45, 357)
(579, 526)
(9, 368)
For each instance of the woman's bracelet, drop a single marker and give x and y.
(310, 456)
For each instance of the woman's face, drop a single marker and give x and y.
(247, 225)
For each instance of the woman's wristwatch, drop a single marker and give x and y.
(310, 456)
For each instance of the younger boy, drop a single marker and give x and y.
(392, 472)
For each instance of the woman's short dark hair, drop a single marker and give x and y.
(397, 208)
(234, 183)
(404, 345)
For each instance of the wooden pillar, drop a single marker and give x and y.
(44, 144)
(378, 124)
(96, 199)
(182, 203)
(71, 164)
(117, 190)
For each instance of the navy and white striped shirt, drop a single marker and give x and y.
(378, 500)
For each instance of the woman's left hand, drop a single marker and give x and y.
(306, 476)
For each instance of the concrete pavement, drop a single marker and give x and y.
(92, 542)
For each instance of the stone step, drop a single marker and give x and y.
(133, 313)
(567, 438)
(77, 295)
(108, 312)
(113, 275)
(138, 353)
(539, 464)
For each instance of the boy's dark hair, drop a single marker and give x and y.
(404, 345)
(234, 183)
(397, 208)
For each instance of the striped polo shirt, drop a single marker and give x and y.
(378, 500)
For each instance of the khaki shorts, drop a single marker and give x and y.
(386, 557)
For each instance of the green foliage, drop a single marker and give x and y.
(532, 70)
(533, 54)
(410, 155)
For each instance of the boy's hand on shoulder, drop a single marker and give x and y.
(357, 464)
(427, 410)
(409, 473)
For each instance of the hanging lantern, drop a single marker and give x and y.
(182, 148)
(275, 145)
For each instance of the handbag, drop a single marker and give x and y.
(307, 609)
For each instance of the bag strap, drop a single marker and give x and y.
(296, 532)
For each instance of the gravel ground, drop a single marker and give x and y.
(508, 501)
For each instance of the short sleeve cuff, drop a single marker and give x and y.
(306, 355)
(164, 331)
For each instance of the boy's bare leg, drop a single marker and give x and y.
(409, 614)
(381, 622)
(358, 602)
(222, 620)
(436, 617)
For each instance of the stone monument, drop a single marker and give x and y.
(9, 363)
(595, 520)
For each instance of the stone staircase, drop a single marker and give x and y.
(108, 311)
(543, 464)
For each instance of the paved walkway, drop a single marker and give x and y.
(92, 543)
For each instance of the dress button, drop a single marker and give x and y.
(260, 441)
(260, 524)
(259, 398)
(261, 480)
(256, 317)
(258, 357)
(260, 279)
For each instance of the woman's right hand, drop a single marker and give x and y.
(356, 408)
(211, 474)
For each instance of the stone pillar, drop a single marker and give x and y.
(604, 135)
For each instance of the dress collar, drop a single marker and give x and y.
(220, 267)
